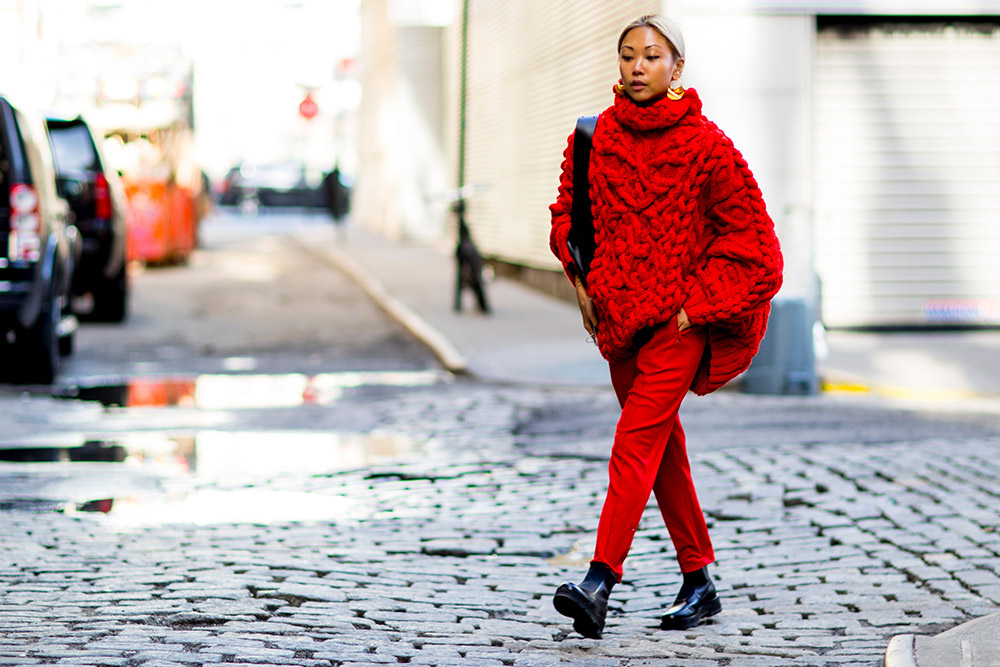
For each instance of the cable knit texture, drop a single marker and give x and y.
(679, 221)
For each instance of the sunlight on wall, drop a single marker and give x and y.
(249, 63)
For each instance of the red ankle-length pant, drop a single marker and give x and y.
(649, 451)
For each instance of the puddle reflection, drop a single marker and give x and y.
(138, 392)
(175, 470)
(202, 475)
(92, 450)
(243, 391)
(249, 505)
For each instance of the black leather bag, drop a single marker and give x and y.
(581, 241)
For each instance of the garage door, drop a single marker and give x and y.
(907, 173)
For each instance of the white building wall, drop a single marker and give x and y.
(403, 176)
(845, 7)
(534, 68)
(754, 63)
(26, 53)
(753, 73)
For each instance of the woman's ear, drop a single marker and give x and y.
(678, 69)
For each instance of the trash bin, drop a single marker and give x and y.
(786, 360)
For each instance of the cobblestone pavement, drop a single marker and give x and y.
(449, 554)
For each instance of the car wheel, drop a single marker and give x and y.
(37, 353)
(111, 299)
(8, 354)
(66, 344)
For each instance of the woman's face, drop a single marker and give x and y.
(647, 64)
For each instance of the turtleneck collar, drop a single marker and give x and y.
(661, 114)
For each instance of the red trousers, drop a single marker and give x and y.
(649, 451)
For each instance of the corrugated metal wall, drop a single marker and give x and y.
(907, 177)
(841, 7)
(533, 68)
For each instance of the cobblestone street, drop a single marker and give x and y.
(449, 554)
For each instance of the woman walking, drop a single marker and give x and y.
(677, 296)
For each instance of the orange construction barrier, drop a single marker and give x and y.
(159, 392)
(163, 224)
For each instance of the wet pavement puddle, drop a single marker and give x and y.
(202, 475)
(240, 391)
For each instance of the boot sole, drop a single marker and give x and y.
(711, 608)
(570, 603)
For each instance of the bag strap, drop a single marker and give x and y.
(581, 235)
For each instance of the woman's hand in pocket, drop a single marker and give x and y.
(586, 308)
(683, 322)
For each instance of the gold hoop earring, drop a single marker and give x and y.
(618, 88)
(675, 93)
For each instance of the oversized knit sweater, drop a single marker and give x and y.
(679, 221)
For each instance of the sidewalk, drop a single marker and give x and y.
(532, 338)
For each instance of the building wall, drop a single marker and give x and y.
(25, 53)
(533, 68)
(519, 118)
(872, 245)
(754, 76)
(372, 199)
(404, 177)
(843, 7)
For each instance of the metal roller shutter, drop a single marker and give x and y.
(533, 68)
(907, 173)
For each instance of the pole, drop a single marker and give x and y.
(463, 89)
(469, 263)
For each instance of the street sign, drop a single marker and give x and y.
(308, 107)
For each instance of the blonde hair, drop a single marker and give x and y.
(661, 24)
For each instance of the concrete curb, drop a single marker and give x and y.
(975, 643)
(900, 652)
(439, 345)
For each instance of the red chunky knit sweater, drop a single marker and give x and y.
(679, 221)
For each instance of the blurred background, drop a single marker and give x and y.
(873, 126)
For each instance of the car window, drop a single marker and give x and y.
(73, 148)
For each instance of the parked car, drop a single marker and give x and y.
(38, 250)
(97, 198)
(250, 186)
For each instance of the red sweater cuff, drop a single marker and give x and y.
(697, 303)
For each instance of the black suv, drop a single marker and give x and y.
(97, 199)
(38, 249)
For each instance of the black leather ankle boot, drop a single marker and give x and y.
(587, 603)
(696, 601)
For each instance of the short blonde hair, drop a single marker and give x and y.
(661, 24)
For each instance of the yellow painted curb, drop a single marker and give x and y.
(902, 393)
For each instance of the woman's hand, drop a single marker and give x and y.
(682, 320)
(586, 308)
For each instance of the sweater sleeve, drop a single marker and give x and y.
(561, 211)
(742, 263)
